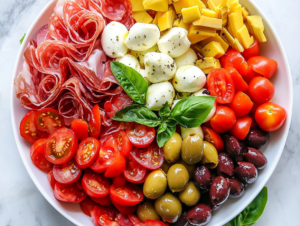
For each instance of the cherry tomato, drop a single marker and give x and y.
(151, 157)
(95, 122)
(119, 181)
(28, 129)
(134, 172)
(241, 127)
(87, 206)
(104, 216)
(252, 51)
(117, 167)
(134, 219)
(117, 103)
(220, 85)
(95, 185)
(123, 142)
(270, 117)
(51, 179)
(140, 136)
(37, 154)
(87, 153)
(123, 219)
(223, 120)
(47, 121)
(154, 223)
(80, 128)
(238, 81)
(61, 146)
(241, 104)
(261, 90)
(262, 66)
(67, 173)
(214, 138)
(127, 195)
(69, 192)
(104, 201)
(125, 209)
(233, 58)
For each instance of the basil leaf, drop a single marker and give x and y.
(22, 39)
(171, 122)
(163, 137)
(162, 128)
(192, 111)
(131, 81)
(137, 113)
(165, 111)
(252, 212)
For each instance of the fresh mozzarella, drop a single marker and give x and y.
(159, 67)
(189, 79)
(142, 37)
(144, 74)
(112, 39)
(174, 103)
(130, 61)
(196, 130)
(158, 94)
(188, 58)
(141, 54)
(175, 42)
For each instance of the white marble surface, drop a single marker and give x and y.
(20, 201)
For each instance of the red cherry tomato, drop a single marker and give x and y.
(104, 216)
(154, 223)
(241, 127)
(69, 192)
(270, 117)
(252, 51)
(238, 81)
(95, 185)
(125, 209)
(80, 128)
(262, 66)
(117, 167)
(214, 138)
(119, 181)
(140, 136)
(123, 219)
(233, 58)
(67, 173)
(123, 142)
(127, 195)
(37, 154)
(87, 153)
(51, 179)
(61, 146)
(220, 85)
(28, 129)
(117, 103)
(261, 90)
(223, 120)
(95, 123)
(134, 172)
(87, 206)
(134, 219)
(104, 201)
(241, 104)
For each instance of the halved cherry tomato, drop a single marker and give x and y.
(261, 90)
(140, 136)
(117, 103)
(104, 201)
(154, 223)
(51, 179)
(238, 81)
(104, 216)
(223, 120)
(214, 138)
(252, 51)
(220, 85)
(69, 192)
(87, 153)
(123, 219)
(151, 157)
(233, 58)
(134, 171)
(117, 167)
(80, 128)
(123, 142)
(241, 127)
(270, 117)
(67, 173)
(61, 146)
(37, 154)
(134, 219)
(95, 122)
(127, 195)
(119, 181)
(47, 121)
(87, 206)
(125, 209)
(95, 185)
(28, 129)
(262, 66)
(241, 104)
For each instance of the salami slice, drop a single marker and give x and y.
(43, 34)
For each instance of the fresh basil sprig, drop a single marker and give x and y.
(165, 135)
(22, 39)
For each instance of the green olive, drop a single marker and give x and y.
(178, 177)
(168, 207)
(190, 168)
(172, 148)
(147, 211)
(155, 184)
(190, 195)
(192, 149)
(166, 166)
(210, 155)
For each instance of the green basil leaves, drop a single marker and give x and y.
(22, 39)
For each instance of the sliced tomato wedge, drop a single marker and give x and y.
(51, 179)
(104, 216)
(134, 171)
(117, 103)
(140, 136)
(61, 146)
(123, 219)
(104, 201)
(37, 154)
(238, 81)
(213, 137)
(87, 153)
(241, 127)
(95, 122)
(123, 142)
(80, 128)
(95, 185)
(119, 181)
(87, 206)
(69, 192)
(127, 195)
(125, 209)
(67, 173)
(28, 129)
(117, 167)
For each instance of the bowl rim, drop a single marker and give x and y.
(253, 194)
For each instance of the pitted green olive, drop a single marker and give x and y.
(190, 168)
(166, 166)
(195, 130)
(178, 177)
(155, 184)
(172, 148)
(147, 211)
(210, 156)
(190, 195)
(192, 149)
(168, 207)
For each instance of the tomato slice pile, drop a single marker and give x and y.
(87, 153)
(134, 172)
(95, 185)
(69, 192)
(37, 154)
(28, 129)
(127, 195)
(67, 173)
(140, 136)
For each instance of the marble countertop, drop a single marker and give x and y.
(20, 201)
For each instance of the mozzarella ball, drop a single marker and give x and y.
(189, 79)
(158, 94)
(174, 103)
(196, 130)
(175, 42)
(141, 54)
(112, 39)
(130, 61)
(144, 74)
(159, 67)
(188, 58)
(142, 36)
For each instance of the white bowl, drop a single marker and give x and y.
(283, 96)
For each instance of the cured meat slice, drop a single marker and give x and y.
(43, 34)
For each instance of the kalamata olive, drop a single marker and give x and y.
(205, 199)
(199, 215)
(219, 190)
(202, 178)
(237, 188)
(181, 221)
(246, 172)
(225, 165)
(256, 157)
(257, 138)
(234, 147)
